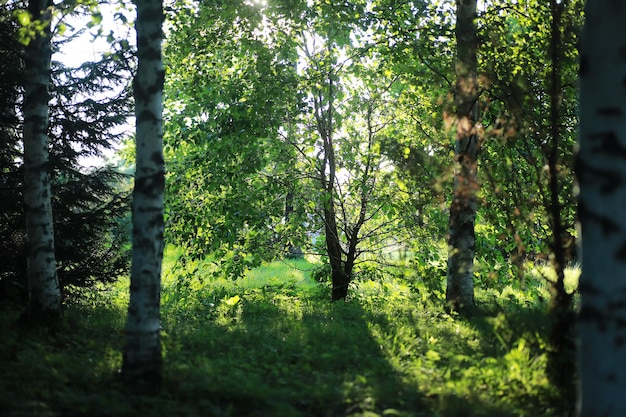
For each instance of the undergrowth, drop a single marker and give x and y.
(271, 344)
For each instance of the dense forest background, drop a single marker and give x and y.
(311, 153)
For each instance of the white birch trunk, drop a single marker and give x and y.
(43, 283)
(461, 241)
(601, 170)
(142, 354)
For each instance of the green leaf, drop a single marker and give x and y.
(96, 19)
(433, 356)
(232, 301)
(23, 17)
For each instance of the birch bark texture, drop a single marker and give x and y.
(461, 240)
(43, 282)
(601, 173)
(142, 359)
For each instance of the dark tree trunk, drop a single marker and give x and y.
(350, 260)
(561, 368)
(327, 173)
(339, 279)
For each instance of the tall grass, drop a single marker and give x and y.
(271, 344)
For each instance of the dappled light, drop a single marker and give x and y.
(302, 209)
(267, 346)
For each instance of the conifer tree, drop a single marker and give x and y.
(90, 206)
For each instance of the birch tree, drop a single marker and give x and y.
(461, 241)
(43, 283)
(601, 171)
(142, 359)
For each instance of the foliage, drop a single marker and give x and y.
(228, 175)
(272, 344)
(516, 119)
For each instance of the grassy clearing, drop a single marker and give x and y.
(272, 344)
(572, 274)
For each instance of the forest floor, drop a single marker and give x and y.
(272, 344)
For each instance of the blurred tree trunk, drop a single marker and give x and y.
(142, 362)
(461, 241)
(43, 283)
(601, 171)
(561, 369)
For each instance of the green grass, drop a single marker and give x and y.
(572, 274)
(271, 344)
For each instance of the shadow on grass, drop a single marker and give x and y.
(281, 355)
(509, 347)
(286, 354)
(59, 370)
(275, 351)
